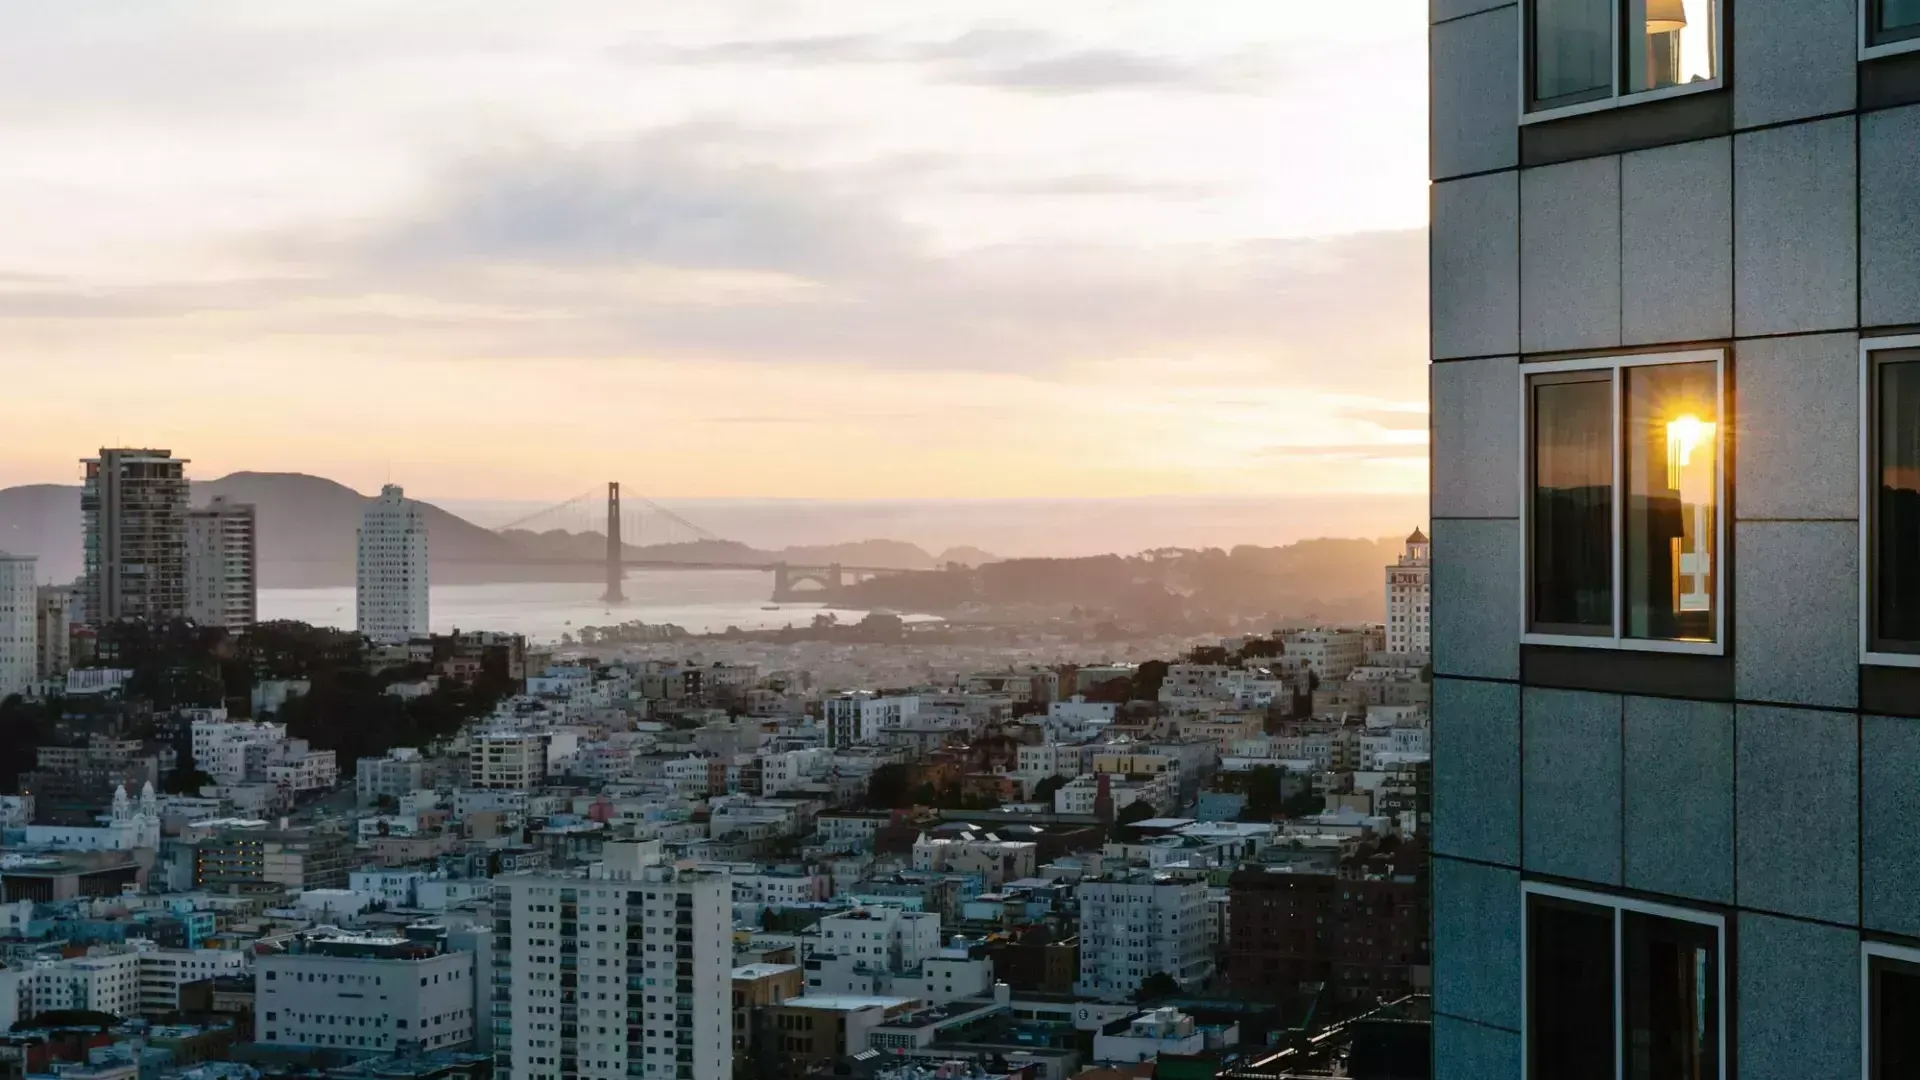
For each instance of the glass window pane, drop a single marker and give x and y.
(1672, 438)
(1896, 509)
(1671, 1026)
(1569, 990)
(1669, 42)
(1572, 50)
(1572, 514)
(1895, 19)
(1894, 1037)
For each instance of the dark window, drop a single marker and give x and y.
(1620, 994)
(1895, 473)
(1572, 523)
(1572, 57)
(1892, 20)
(1572, 51)
(1893, 1018)
(1569, 990)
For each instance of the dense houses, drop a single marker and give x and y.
(673, 869)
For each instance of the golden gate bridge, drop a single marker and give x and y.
(639, 533)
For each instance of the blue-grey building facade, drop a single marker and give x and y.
(1675, 336)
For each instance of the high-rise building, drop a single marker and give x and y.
(623, 972)
(390, 597)
(1137, 923)
(134, 510)
(1408, 593)
(53, 629)
(223, 565)
(1676, 527)
(19, 653)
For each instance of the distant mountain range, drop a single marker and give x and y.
(308, 530)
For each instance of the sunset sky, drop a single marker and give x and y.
(840, 248)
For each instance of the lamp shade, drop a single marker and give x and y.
(1665, 15)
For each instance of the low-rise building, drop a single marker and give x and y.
(366, 995)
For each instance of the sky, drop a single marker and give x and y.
(836, 249)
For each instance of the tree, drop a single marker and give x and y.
(1265, 788)
(1137, 810)
(887, 787)
(1156, 986)
(1044, 790)
(1207, 654)
(386, 804)
(1114, 691)
(1147, 679)
(1303, 804)
(186, 781)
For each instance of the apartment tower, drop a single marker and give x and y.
(223, 565)
(19, 657)
(1675, 323)
(622, 972)
(133, 505)
(1409, 593)
(390, 595)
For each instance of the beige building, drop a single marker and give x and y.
(222, 565)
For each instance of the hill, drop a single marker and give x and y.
(308, 528)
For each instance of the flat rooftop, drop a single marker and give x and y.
(844, 1002)
(761, 971)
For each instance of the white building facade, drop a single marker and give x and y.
(1139, 924)
(1409, 592)
(19, 653)
(625, 972)
(390, 593)
(858, 718)
(366, 995)
(223, 579)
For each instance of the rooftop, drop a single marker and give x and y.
(844, 1002)
(761, 971)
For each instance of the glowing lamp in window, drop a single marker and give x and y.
(1690, 473)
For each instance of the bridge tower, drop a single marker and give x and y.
(615, 550)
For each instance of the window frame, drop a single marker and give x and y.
(1869, 952)
(1872, 50)
(1869, 346)
(1616, 364)
(1616, 98)
(1620, 905)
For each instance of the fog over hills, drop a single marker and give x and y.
(308, 530)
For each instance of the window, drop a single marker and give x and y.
(1890, 1017)
(1890, 499)
(1583, 55)
(1623, 488)
(1617, 989)
(1889, 26)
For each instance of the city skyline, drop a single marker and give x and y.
(500, 256)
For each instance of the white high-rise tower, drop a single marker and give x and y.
(390, 596)
(223, 577)
(623, 972)
(1409, 595)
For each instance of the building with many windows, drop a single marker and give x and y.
(365, 995)
(223, 579)
(623, 972)
(861, 717)
(1676, 532)
(390, 584)
(133, 506)
(19, 654)
(1138, 923)
(1408, 599)
(513, 761)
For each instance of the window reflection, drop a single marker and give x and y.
(1572, 51)
(1572, 514)
(1894, 20)
(1669, 43)
(1672, 442)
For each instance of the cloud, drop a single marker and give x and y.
(679, 197)
(1350, 451)
(1097, 184)
(1090, 71)
(1391, 419)
(802, 50)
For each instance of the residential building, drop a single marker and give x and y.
(223, 578)
(1139, 923)
(399, 774)
(366, 995)
(19, 632)
(390, 588)
(815, 1029)
(755, 987)
(515, 761)
(294, 858)
(164, 971)
(1327, 654)
(1409, 591)
(1165, 1030)
(133, 506)
(1357, 925)
(635, 939)
(861, 717)
(53, 631)
(1674, 733)
(106, 980)
(220, 745)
